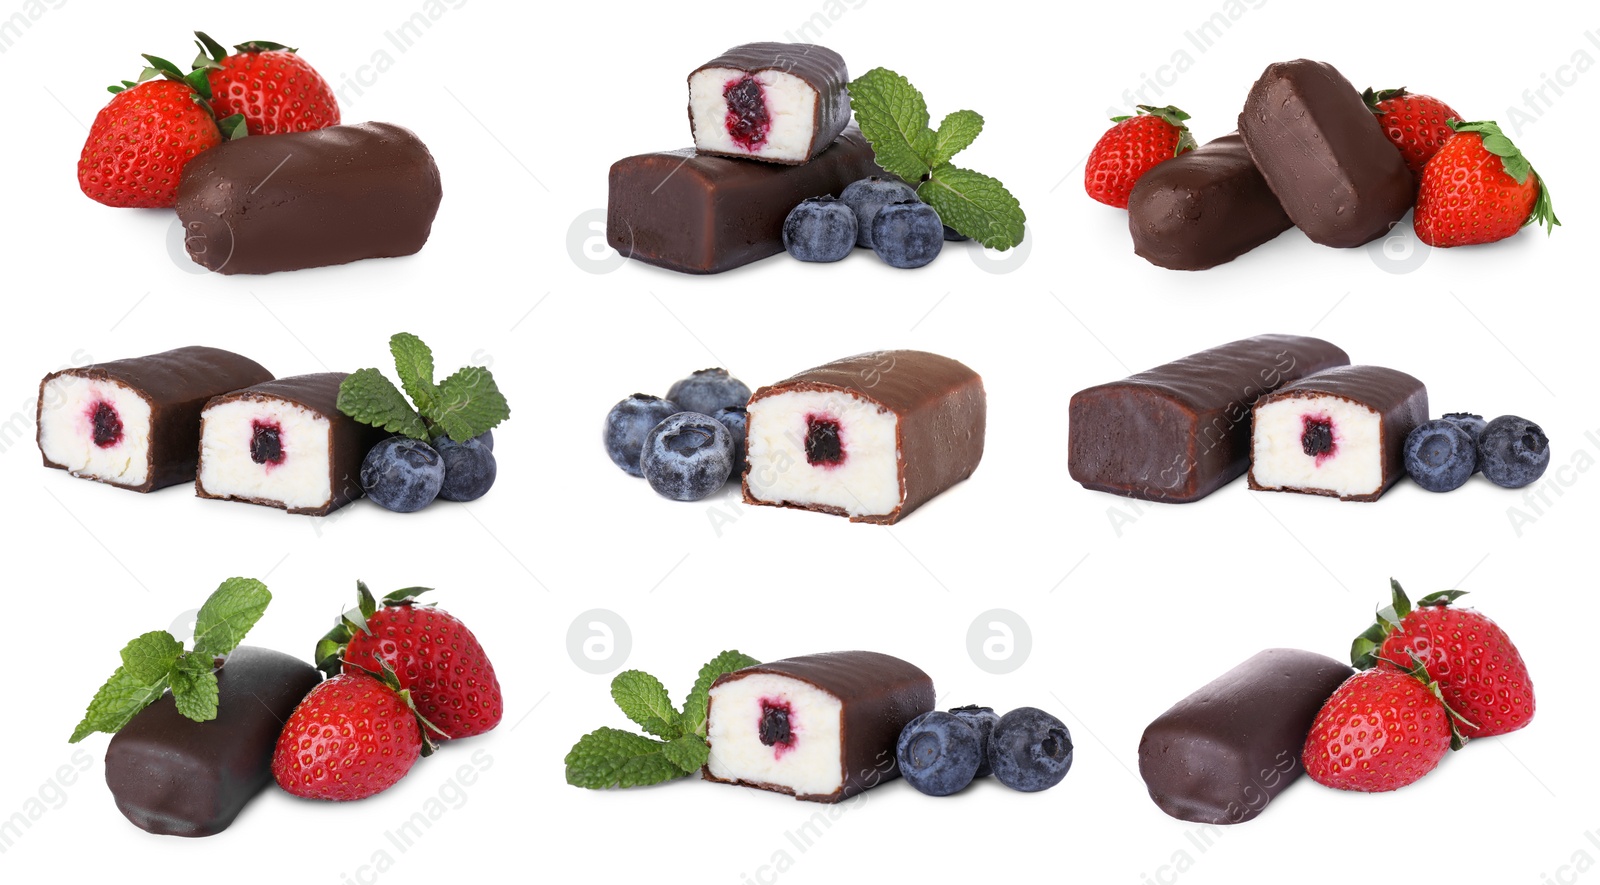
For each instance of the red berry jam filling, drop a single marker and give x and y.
(776, 729)
(107, 424)
(1316, 437)
(824, 448)
(266, 443)
(748, 120)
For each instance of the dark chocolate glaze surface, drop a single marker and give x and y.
(1203, 208)
(1220, 755)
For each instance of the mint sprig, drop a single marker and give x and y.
(462, 406)
(611, 757)
(156, 662)
(893, 116)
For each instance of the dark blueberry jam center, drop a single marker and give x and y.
(822, 442)
(748, 120)
(266, 443)
(107, 426)
(774, 729)
(1316, 439)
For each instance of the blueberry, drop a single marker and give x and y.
(1513, 452)
(820, 229)
(1440, 455)
(627, 424)
(402, 474)
(952, 236)
(469, 468)
(907, 234)
(867, 196)
(737, 420)
(982, 720)
(938, 753)
(708, 390)
(1030, 750)
(688, 456)
(487, 438)
(1473, 425)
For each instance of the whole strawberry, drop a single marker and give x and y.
(1417, 124)
(269, 84)
(432, 653)
(1478, 189)
(352, 737)
(1130, 148)
(1381, 730)
(1480, 673)
(141, 140)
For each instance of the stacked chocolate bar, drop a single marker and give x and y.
(771, 127)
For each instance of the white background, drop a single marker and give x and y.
(1128, 607)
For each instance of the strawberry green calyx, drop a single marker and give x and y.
(1419, 671)
(1375, 97)
(331, 647)
(212, 53)
(1517, 166)
(1363, 651)
(155, 66)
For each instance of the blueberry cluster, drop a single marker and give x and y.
(1442, 454)
(405, 475)
(940, 753)
(880, 214)
(687, 445)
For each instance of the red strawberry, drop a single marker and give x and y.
(1129, 150)
(1417, 124)
(140, 141)
(352, 737)
(1478, 189)
(1480, 673)
(432, 653)
(1381, 730)
(272, 87)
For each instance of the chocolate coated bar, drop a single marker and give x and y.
(778, 102)
(1220, 755)
(174, 776)
(1180, 431)
(696, 213)
(307, 199)
(1203, 208)
(1324, 154)
(820, 727)
(871, 437)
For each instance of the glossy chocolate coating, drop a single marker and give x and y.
(308, 199)
(942, 410)
(1203, 208)
(1400, 400)
(1220, 755)
(173, 776)
(820, 67)
(350, 439)
(878, 695)
(698, 213)
(1180, 431)
(1324, 154)
(177, 384)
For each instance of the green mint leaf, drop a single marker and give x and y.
(227, 615)
(372, 399)
(194, 687)
(469, 404)
(956, 132)
(894, 118)
(694, 708)
(688, 752)
(975, 205)
(644, 699)
(413, 362)
(610, 757)
(146, 663)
